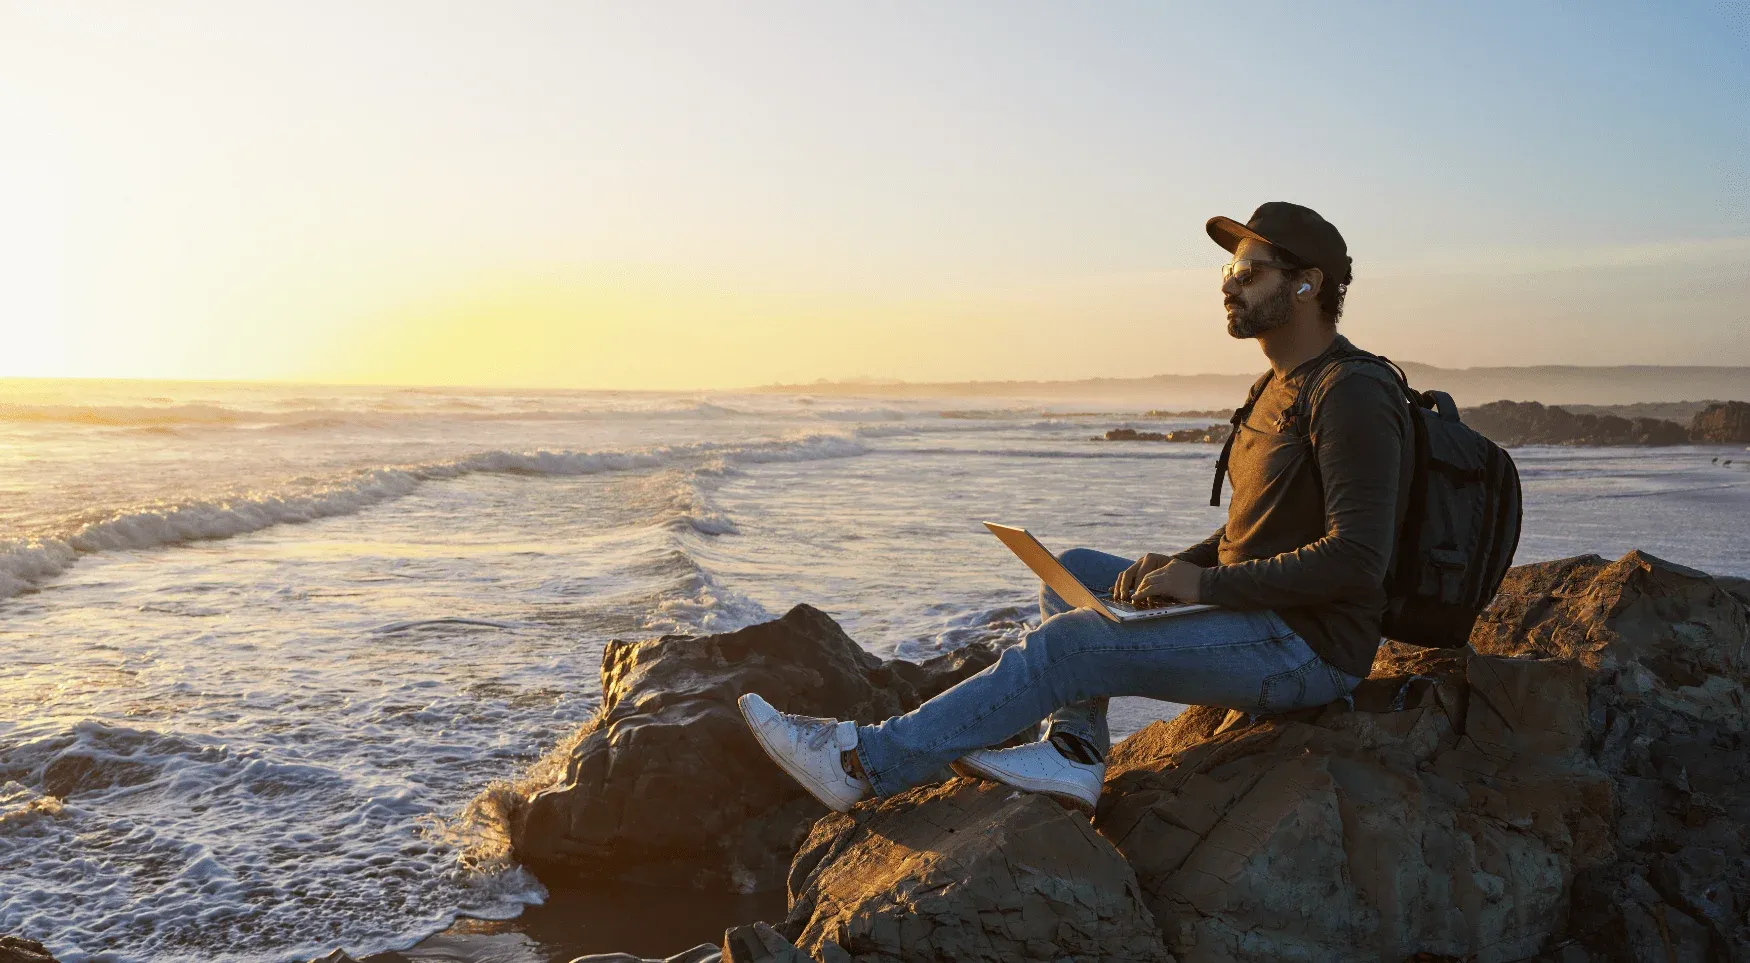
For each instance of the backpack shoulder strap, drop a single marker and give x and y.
(1298, 417)
(1239, 417)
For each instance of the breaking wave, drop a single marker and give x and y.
(28, 562)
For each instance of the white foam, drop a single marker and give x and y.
(28, 562)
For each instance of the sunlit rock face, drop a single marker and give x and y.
(16, 949)
(670, 788)
(1576, 777)
(1727, 422)
(1569, 788)
(969, 871)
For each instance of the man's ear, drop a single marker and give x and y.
(1314, 279)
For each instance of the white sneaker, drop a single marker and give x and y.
(808, 749)
(1037, 767)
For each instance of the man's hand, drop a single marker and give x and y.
(1177, 580)
(1131, 577)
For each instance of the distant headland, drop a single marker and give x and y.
(1548, 384)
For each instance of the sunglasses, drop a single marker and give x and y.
(1244, 269)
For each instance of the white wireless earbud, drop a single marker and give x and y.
(1304, 288)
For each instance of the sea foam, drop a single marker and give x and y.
(28, 562)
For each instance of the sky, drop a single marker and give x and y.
(710, 195)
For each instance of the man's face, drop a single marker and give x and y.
(1261, 305)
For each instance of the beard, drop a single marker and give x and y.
(1267, 315)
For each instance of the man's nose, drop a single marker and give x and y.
(1230, 287)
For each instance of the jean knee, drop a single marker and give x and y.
(1075, 557)
(1063, 636)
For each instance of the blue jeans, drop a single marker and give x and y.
(1068, 667)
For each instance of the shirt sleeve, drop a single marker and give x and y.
(1358, 431)
(1204, 553)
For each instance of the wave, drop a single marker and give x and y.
(27, 562)
(310, 414)
(1167, 451)
(128, 415)
(184, 842)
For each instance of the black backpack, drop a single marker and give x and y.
(1461, 526)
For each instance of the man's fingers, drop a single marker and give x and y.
(1153, 585)
(1122, 586)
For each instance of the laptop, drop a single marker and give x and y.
(1071, 590)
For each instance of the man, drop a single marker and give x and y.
(1298, 570)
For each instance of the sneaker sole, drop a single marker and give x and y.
(1064, 798)
(802, 778)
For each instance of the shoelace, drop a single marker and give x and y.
(817, 732)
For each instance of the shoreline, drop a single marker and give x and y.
(645, 921)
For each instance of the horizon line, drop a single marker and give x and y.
(863, 382)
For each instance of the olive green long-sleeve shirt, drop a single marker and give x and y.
(1311, 527)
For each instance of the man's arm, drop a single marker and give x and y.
(1359, 429)
(1205, 553)
(1130, 579)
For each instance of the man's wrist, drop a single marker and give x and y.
(1206, 584)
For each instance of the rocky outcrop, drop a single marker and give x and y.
(1570, 788)
(16, 949)
(1213, 434)
(1665, 648)
(1574, 787)
(1725, 422)
(1573, 784)
(967, 871)
(668, 788)
(1529, 423)
(1443, 813)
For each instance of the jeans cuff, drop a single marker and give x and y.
(877, 778)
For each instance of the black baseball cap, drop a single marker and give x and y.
(1295, 230)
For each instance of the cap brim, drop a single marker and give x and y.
(1229, 233)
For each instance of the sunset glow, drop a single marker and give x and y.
(691, 196)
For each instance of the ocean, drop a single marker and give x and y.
(263, 644)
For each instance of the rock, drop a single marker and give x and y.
(1213, 434)
(1529, 423)
(668, 788)
(335, 956)
(1481, 804)
(1725, 422)
(1654, 632)
(1572, 787)
(17, 949)
(703, 953)
(1448, 827)
(1667, 720)
(966, 871)
(1198, 413)
(1739, 587)
(759, 943)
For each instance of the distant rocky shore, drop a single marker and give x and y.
(1573, 787)
(1513, 423)
(1214, 433)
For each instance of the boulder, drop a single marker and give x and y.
(967, 871)
(668, 787)
(759, 943)
(1724, 422)
(1567, 786)
(1669, 720)
(1447, 825)
(705, 953)
(17, 949)
(1530, 423)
